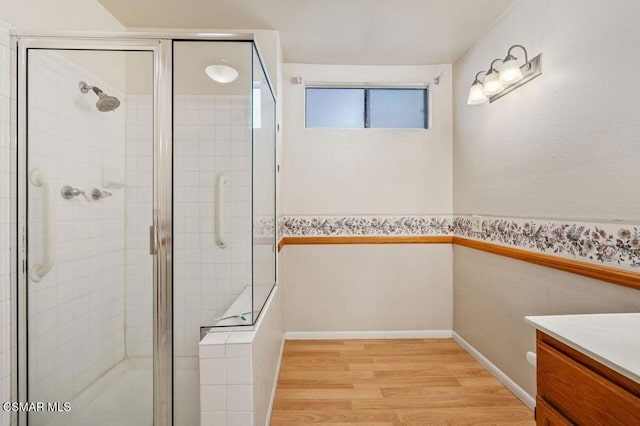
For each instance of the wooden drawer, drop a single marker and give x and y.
(580, 394)
(547, 416)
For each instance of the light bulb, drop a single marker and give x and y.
(492, 84)
(476, 94)
(510, 72)
(221, 73)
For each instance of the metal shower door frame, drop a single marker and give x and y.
(162, 207)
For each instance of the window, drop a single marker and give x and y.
(366, 108)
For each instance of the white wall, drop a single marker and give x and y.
(268, 42)
(64, 15)
(366, 172)
(367, 288)
(493, 294)
(562, 147)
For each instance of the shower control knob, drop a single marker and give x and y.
(68, 192)
(98, 194)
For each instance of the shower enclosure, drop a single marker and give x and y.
(146, 214)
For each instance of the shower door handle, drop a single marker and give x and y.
(153, 248)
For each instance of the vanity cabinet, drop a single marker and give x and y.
(547, 416)
(574, 389)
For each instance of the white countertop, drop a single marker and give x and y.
(611, 339)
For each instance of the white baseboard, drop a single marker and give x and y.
(275, 382)
(522, 395)
(405, 334)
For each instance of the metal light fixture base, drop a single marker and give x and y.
(530, 70)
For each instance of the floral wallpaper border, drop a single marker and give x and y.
(604, 243)
(331, 226)
(264, 226)
(611, 244)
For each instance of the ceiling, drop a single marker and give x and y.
(358, 32)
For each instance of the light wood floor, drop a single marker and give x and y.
(390, 382)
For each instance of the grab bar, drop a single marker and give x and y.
(40, 270)
(221, 241)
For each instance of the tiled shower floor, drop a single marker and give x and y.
(124, 396)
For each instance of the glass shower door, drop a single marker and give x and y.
(264, 188)
(212, 203)
(89, 272)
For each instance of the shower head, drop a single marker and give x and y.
(105, 102)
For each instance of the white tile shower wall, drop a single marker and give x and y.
(211, 136)
(266, 352)
(7, 150)
(139, 216)
(238, 371)
(76, 313)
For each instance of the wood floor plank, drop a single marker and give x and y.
(295, 417)
(313, 359)
(390, 382)
(429, 372)
(331, 394)
(478, 381)
(425, 358)
(454, 367)
(311, 342)
(316, 384)
(513, 416)
(327, 354)
(313, 367)
(399, 382)
(335, 347)
(325, 375)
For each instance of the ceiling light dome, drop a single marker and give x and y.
(222, 73)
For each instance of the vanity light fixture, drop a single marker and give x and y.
(222, 73)
(476, 93)
(492, 83)
(510, 76)
(510, 71)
